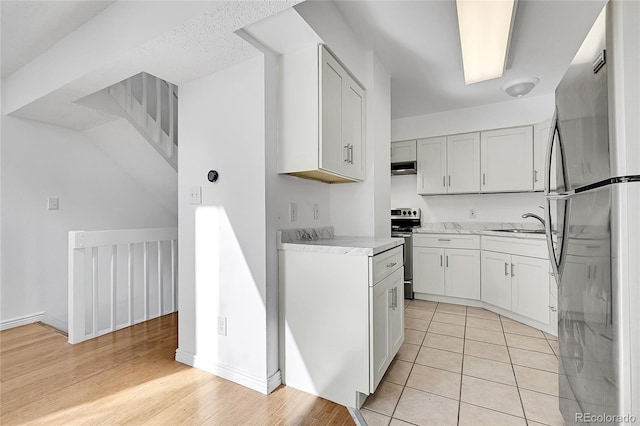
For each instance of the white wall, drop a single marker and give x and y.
(41, 160)
(223, 252)
(490, 207)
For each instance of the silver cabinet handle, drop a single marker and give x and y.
(351, 154)
(392, 264)
(391, 302)
(513, 272)
(395, 300)
(484, 179)
(447, 260)
(535, 175)
(506, 271)
(346, 153)
(441, 261)
(444, 182)
(449, 180)
(444, 239)
(553, 308)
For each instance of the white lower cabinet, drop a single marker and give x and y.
(341, 321)
(511, 281)
(496, 279)
(387, 323)
(441, 268)
(510, 275)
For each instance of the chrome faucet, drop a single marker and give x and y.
(527, 215)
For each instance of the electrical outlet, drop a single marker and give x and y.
(473, 213)
(52, 203)
(316, 211)
(222, 326)
(195, 195)
(293, 212)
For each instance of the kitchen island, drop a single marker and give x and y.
(341, 312)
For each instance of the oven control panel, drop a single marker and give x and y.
(405, 213)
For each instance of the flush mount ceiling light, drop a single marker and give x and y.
(485, 27)
(519, 88)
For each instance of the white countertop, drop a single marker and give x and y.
(323, 240)
(481, 228)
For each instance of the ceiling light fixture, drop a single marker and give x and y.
(485, 28)
(522, 86)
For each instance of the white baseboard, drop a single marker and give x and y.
(24, 320)
(55, 322)
(259, 384)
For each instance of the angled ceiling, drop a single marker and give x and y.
(29, 28)
(418, 43)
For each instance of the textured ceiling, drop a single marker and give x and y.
(29, 28)
(418, 43)
(198, 47)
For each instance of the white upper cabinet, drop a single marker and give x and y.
(507, 160)
(449, 164)
(432, 165)
(320, 118)
(463, 163)
(403, 152)
(541, 138)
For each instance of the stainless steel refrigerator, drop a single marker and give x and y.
(592, 233)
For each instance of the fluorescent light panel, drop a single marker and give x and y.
(484, 26)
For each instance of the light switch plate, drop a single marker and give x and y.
(293, 212)
(195, 196)
(222, 326)
(52, 203)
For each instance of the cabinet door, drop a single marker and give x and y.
(495, 281)
(462, 273)
(530, 287)
(380, 304)
(428, 270)
(507, 159)
(396, 314)
(541, 134)
(386, 323)
(353, 128)
(463, 163)
(333, 152)
(403, 151)
(432, 165)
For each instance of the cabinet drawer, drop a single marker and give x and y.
(385, 263)
(517, 246)
(589, 248)
(447, 241)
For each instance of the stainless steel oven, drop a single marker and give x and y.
(403, 221)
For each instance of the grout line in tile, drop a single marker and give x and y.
(526, 335)
(531, 350)
(464, 343)
(430, 393)
(491, 409)
(515, 378)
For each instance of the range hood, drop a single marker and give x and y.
(404, 168)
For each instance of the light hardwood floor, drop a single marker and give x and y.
(130, 377)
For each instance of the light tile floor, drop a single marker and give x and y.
(463, 365)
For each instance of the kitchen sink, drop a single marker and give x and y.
(521, 231)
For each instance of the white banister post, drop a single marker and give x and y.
(172, 100)
(143, 111)
(173, 275)
(159, 277)
(114, 285)
(76, 290)
(158, 111)
(145, 278)
(94, 289)
(128, 96)
(130, 283)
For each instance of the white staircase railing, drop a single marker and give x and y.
(150, 104)
(120, 278)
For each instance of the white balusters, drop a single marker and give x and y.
(85, 248)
